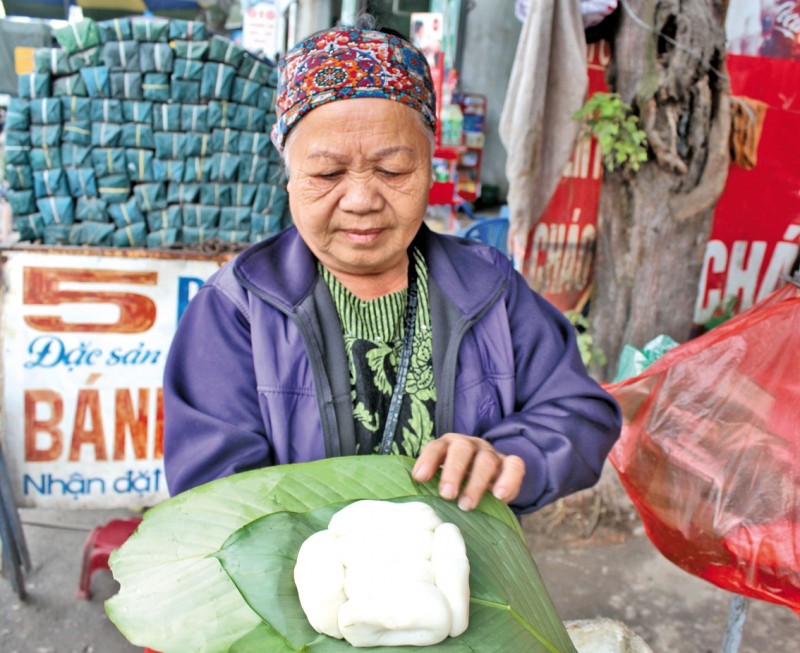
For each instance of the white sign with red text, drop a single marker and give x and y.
(260, 26)
(84, 343)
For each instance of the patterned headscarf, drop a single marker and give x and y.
(341, 64)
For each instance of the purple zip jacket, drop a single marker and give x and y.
(257, 373)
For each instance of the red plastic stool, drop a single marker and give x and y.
(100, 543)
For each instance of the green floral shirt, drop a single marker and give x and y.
(373, 338)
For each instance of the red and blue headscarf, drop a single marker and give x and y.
(341, 64)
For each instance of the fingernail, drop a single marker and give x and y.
(420, 471)
(500, 493)
(448, 491)
(466, 504)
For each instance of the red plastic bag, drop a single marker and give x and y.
(710, 451)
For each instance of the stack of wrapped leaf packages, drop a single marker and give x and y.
(144, 132)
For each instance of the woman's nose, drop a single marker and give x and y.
(360, 195)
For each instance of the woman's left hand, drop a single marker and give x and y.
(471, 462)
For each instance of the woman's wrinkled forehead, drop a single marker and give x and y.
(341, 64)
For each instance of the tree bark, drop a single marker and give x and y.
(653, 225)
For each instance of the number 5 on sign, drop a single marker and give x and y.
(43, 286)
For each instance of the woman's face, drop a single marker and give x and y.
(360, 172)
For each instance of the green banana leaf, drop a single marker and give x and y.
(212, 569)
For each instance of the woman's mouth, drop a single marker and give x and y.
(362, 235)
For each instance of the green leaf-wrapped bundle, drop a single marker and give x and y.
(250, 119)
(233, 236)
(109, 161)
(212, 569)
(106, 134)
(69, 85)
(106, 110)
(156, 58)
(254, 143)
(245, 91)
(168, 218)
(198, 168)
(187, 30)
(42, 158)
(222, 113)
(22, 202)
(125, 214)
(134, 235)
(78, 36)
(78, 132)
(151, 197)
(50, 182)
(224, 50)
(86, 58)
(254, 169)
(46, 111)
(194, 118)
(82, 182)
(91, 209)
(30, 227)
(184, 91)
(180, 193)
(18, 138)
(225, 140)
(140, 165)
(234, 218)
(197, 215)
(197, 235)
(162, 238)
(96, 78)
(225, 167)
(270, 199)
(56, 234)
(156, 87)
(243, 194)
(266, 99)
(191, 49)
(117, 29)
(136, 134)
(151, 30)
(187, 69)
(46, 135)
(19, 177)
(56, 210)
(217, 81)
(33, 85)
(91, 233)
(170, 145)
(216, 194)
(257, 70)
(122, 55)
(114, 188)
(75, 155)
(167, 117)
(126, 85)
(137, 111)
(266, 224)
(18, 114)
(169, 170)
(75, 108)
(52, 61)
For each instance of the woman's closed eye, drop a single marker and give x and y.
(331, 175)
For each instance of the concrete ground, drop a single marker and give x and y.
(613, 572)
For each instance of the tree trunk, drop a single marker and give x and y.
(653, 225)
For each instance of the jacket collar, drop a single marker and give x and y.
(283, 270)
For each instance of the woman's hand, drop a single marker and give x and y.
(471, 462)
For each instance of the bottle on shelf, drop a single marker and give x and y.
(452, 118)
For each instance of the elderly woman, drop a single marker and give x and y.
(359, 331)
